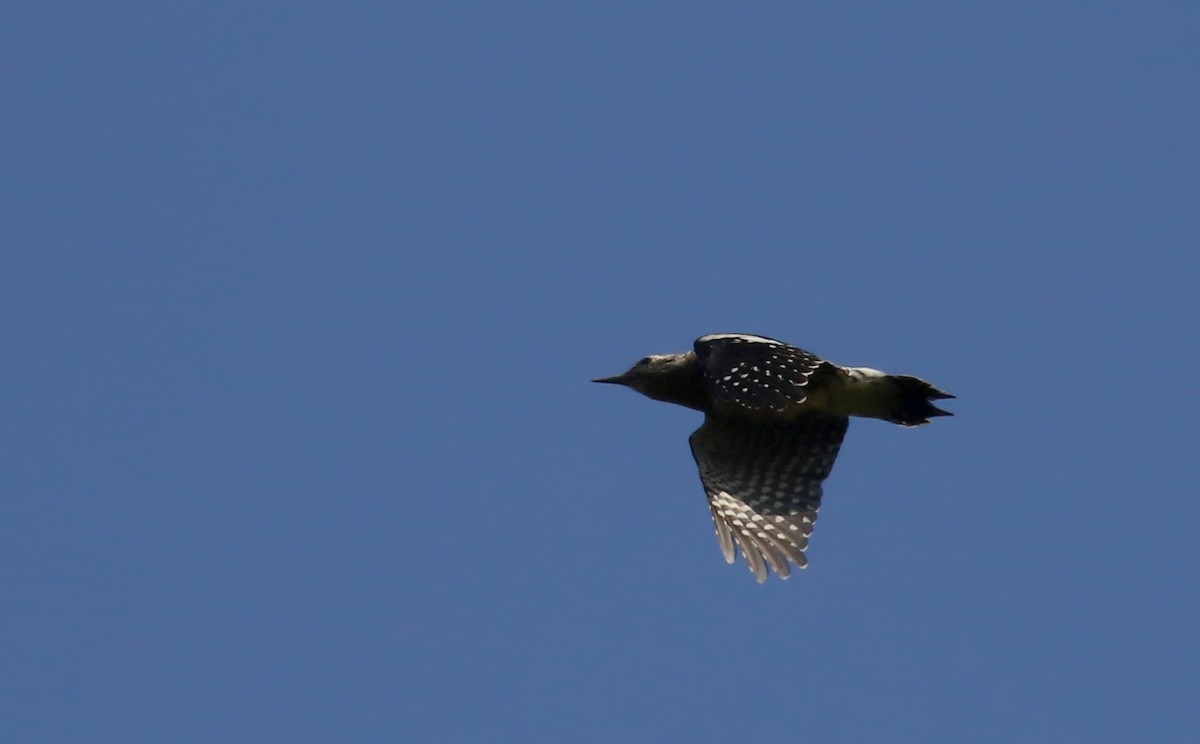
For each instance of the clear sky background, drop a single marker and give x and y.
(301, 300)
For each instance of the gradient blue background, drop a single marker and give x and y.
(300, 304)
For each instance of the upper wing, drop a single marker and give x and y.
(764, 484)
(753, 372)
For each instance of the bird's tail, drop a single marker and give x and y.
(911, 398)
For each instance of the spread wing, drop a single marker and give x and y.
(753, 372)
(764, 484)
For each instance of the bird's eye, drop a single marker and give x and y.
(642, 362)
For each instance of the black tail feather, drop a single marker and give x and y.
(913, 406)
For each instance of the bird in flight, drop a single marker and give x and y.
(774, 419)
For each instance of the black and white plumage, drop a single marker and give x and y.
(775, 416)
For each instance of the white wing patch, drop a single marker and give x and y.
(745, 337)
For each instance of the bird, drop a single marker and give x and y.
(774, 419)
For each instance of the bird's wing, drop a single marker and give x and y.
(754, 373)
(764, 484)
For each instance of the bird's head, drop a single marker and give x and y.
(658, 376)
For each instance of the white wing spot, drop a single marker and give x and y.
(742, 337)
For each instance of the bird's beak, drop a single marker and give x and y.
(616, 380)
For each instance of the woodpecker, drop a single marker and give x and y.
(774, 419)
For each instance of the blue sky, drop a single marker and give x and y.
(301, 304)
